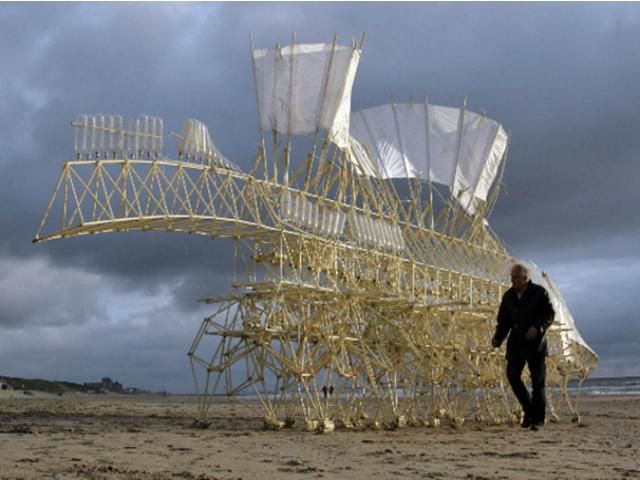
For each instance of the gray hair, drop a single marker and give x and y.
(521, 268)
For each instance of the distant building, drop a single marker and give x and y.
(4, 385)
(107, 384)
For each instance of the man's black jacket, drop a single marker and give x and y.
(532, 309)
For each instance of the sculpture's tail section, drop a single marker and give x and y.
(574, 354)
(174, 196)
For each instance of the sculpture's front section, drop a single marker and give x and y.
(358, 299)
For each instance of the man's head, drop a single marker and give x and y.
(519, 276)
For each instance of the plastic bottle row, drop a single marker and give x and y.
(102, 135)
(195, 140)
(301, 212)
(366, 230)
(196, 145)
(375, 232)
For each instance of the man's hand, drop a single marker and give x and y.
(532, 333)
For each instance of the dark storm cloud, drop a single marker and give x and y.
(562, 78)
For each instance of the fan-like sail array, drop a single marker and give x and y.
(444, 145)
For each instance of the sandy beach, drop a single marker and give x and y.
(151, 437)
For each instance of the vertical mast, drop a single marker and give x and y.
(451, 203)
(320, 114)
(262, 154)
(273, 118)
(427, 126)
(290, 113)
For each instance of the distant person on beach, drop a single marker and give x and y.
(527, 313)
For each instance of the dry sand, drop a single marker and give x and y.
(131, 437)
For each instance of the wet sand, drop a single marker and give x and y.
(136, 437)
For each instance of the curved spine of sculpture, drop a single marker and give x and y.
(366, 276)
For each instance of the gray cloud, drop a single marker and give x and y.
(598, 293)
(561, 78)
(32, 293)
(146, 348)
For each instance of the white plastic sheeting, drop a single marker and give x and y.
(563, 319)
(195, 142)
(361, 158)
(299, 211)
(307, 87)
(449, 146)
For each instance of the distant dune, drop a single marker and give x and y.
(48, 386)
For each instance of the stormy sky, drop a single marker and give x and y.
(562, 78)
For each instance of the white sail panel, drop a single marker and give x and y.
(376, 128)
(440, 131)
(475, 187)
(445, 145)
(404, 145)
(307, 87)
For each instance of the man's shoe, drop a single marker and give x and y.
(526, 422)
(537, 425)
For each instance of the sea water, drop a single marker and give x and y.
(607, 386)
(591, 386)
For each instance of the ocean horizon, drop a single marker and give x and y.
(590, 386)
(606, 386)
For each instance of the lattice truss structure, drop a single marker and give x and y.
(366, 277)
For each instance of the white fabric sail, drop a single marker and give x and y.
(304, 88)
(444, 145)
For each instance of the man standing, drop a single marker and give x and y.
(527, 312)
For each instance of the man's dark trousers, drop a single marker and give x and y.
(534, 356)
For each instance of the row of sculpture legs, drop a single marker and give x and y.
(348, 365)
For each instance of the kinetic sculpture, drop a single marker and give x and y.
(366, 276)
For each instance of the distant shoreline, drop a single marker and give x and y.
(592, 386)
